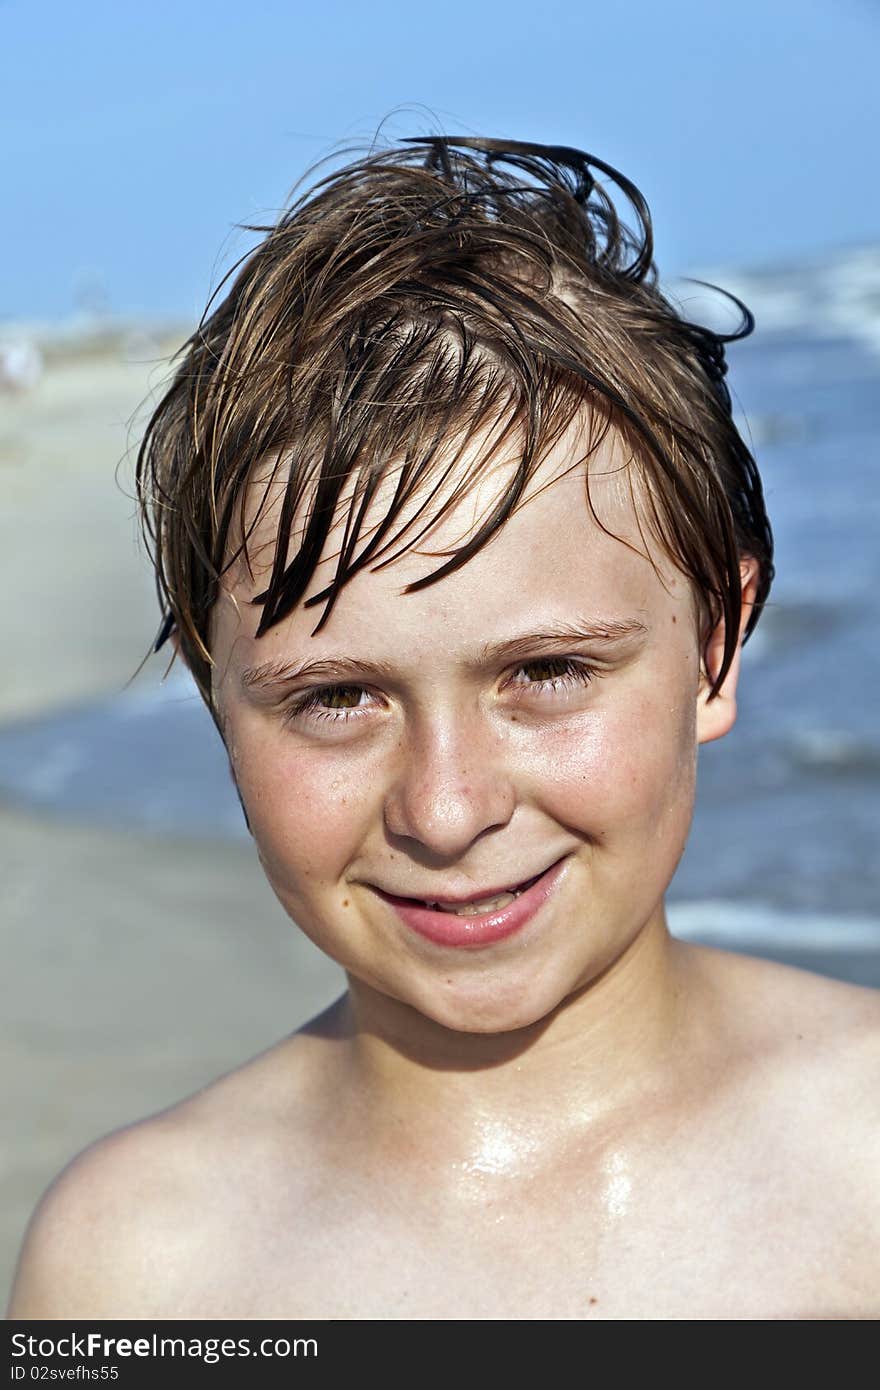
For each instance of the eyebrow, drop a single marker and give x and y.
(344, 668)
(597, 633)
(280, 672)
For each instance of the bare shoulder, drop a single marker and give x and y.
(131, 1223)
(787, 1014)
(813, 1041)
(795, 1075)
(99, 1232)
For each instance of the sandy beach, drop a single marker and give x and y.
(137, 968)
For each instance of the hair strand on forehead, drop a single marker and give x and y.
(423, 296)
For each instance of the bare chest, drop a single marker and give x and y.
(687, 1253)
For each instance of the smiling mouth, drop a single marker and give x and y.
(479, 906)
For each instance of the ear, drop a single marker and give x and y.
(717, 717)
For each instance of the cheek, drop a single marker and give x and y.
(630, 766)
(305, 812)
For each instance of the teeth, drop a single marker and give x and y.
(474, 909)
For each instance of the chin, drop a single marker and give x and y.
(486, 1009)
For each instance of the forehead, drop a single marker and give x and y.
(559, 555)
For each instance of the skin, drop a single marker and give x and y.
(587, 1119)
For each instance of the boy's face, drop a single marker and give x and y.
(426, 765)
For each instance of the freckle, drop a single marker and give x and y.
(594, 1300)
(345, 902)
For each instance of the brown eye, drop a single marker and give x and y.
(339, 696)
(553, 673)
(327, 702)
(548, 669)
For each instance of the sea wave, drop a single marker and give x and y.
(717, 922)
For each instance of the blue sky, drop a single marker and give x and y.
(136, 137)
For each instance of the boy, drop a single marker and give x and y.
(454, 530)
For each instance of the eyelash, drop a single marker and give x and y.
(574, 673)
(310, 704)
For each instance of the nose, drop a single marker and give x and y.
(453, 784)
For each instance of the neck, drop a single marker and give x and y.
(610, 1044)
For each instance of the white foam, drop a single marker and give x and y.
(715, 922)
(834, 295)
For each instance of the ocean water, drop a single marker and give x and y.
(788, 807)
(784, 845)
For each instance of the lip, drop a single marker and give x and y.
(446, 929)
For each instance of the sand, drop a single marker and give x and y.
(137, 968)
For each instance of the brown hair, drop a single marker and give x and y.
(409, 299)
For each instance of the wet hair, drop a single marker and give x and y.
(422, 296)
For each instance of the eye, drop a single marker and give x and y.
(335, 702)
(554, 673)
